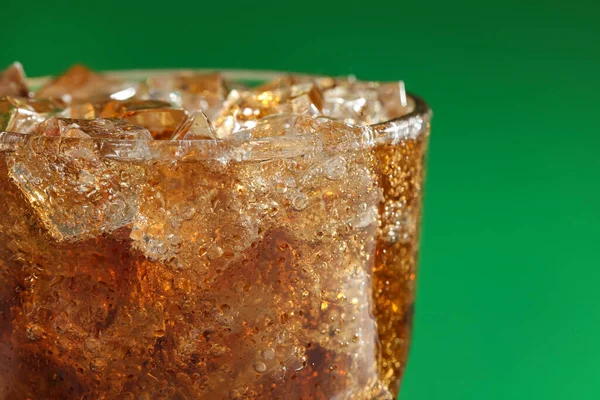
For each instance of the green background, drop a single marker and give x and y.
(508, 300)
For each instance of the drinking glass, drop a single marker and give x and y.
(279, 263)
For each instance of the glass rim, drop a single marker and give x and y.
(241, 147)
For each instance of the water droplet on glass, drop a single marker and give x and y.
(214, 252)
(260, 367)
(218, 350)
(144, 396)
(268, 354)
(98, 364)
(290, 182)
(280, 187)
(335, 168)
(92, 345)
(34, 332)
(300, 202)
(278, 373)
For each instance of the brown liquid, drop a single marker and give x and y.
(284, 279)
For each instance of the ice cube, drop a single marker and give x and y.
(326, 191)
(84, 110)
(19, 114)
(242, 110)
(198, 91)
(275, 125)
(161, 122)
(196, 127)
(288, 80)
(354, 102)
(99, 128)
(158, 117)
(392, 95)
(244, 317)
(173, 97)
(80, 83)
(327, 204)
(118, 108)
(110, 108)
(281, 82)
(193, 213)
(13, 81)
(88, 315)
(310, 103)
(76, 193)
(175, 212)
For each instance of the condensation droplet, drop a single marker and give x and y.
(237, 394)
(98, 364)
(280, 187)
(92, 345)
(260, 367)
(34, 332)
(291, 164)
(335, 168)
(188, 213)
(218, 350)
(278, 373)
(281, 336)
(290, 182)
(214, 252)
(273, 208)
(268, 354)
(61, 324)
(300, 202)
